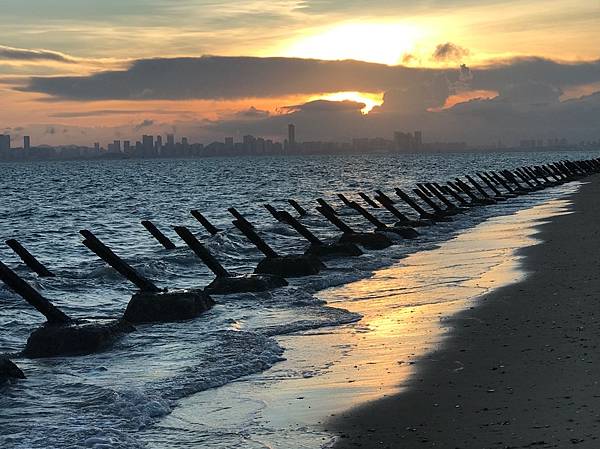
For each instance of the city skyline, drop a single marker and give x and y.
(151, 147)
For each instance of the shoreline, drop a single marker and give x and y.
(515, 371)
(327, 371)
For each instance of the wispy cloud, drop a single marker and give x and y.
(22, 54)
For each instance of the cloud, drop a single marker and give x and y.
(449, 52)
(217, 78)
(107, 112)
(326, 106)
(22, 54)
(252, 113)
(144, 124)
(530, 93)
(214, 77)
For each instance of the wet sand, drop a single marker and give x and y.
(521, 370)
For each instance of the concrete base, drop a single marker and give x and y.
(80, 338)
(331, 250)
(402, 231)
(415, 223)
(290, 266)
(176, 305)
(442, 218)
(8, 371)
(247, 283)
(369, 240)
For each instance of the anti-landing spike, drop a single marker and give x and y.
(52, 313)
(158, 235)
(210, 228)
(201, 251)
(29, 260)
(108, 256)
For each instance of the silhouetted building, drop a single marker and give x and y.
(4, 142)
(418, 140)
(249, 144)
(292, 136)
(403, 141)
(170, 140)
(26, 142)
(127, 147)
(147, 145)
(408, 141)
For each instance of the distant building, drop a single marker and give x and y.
(147, 145)
(26, 142)
(418, 140)
(4, 142)
(292, 136)
(403, 141)
(408, 141)
(127, 147)
(170, 140)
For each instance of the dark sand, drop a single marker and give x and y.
(521, 370)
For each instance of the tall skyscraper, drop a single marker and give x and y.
(291, 136)
(170, 140)
(148, 145)
(26, 142)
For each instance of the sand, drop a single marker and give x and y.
(521, 370)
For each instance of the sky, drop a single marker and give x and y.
(79, 71)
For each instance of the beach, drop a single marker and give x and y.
(519, 370)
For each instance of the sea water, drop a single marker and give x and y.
(122, 398)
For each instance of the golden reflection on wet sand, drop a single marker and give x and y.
(405, 310)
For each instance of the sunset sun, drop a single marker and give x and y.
(385, 43)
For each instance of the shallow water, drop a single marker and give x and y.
(115, 399)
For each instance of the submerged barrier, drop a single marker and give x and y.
(433, 202)
(151, 304)
(226, 282)
(273, 263)
(62, 335)
(316, 247)
(9, 371)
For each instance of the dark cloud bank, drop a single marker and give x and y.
(527, 105)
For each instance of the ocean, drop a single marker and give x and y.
(118, 398)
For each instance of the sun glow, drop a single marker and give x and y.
(370, 100)
(383, 43)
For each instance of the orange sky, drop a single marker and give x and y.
(85, 38)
